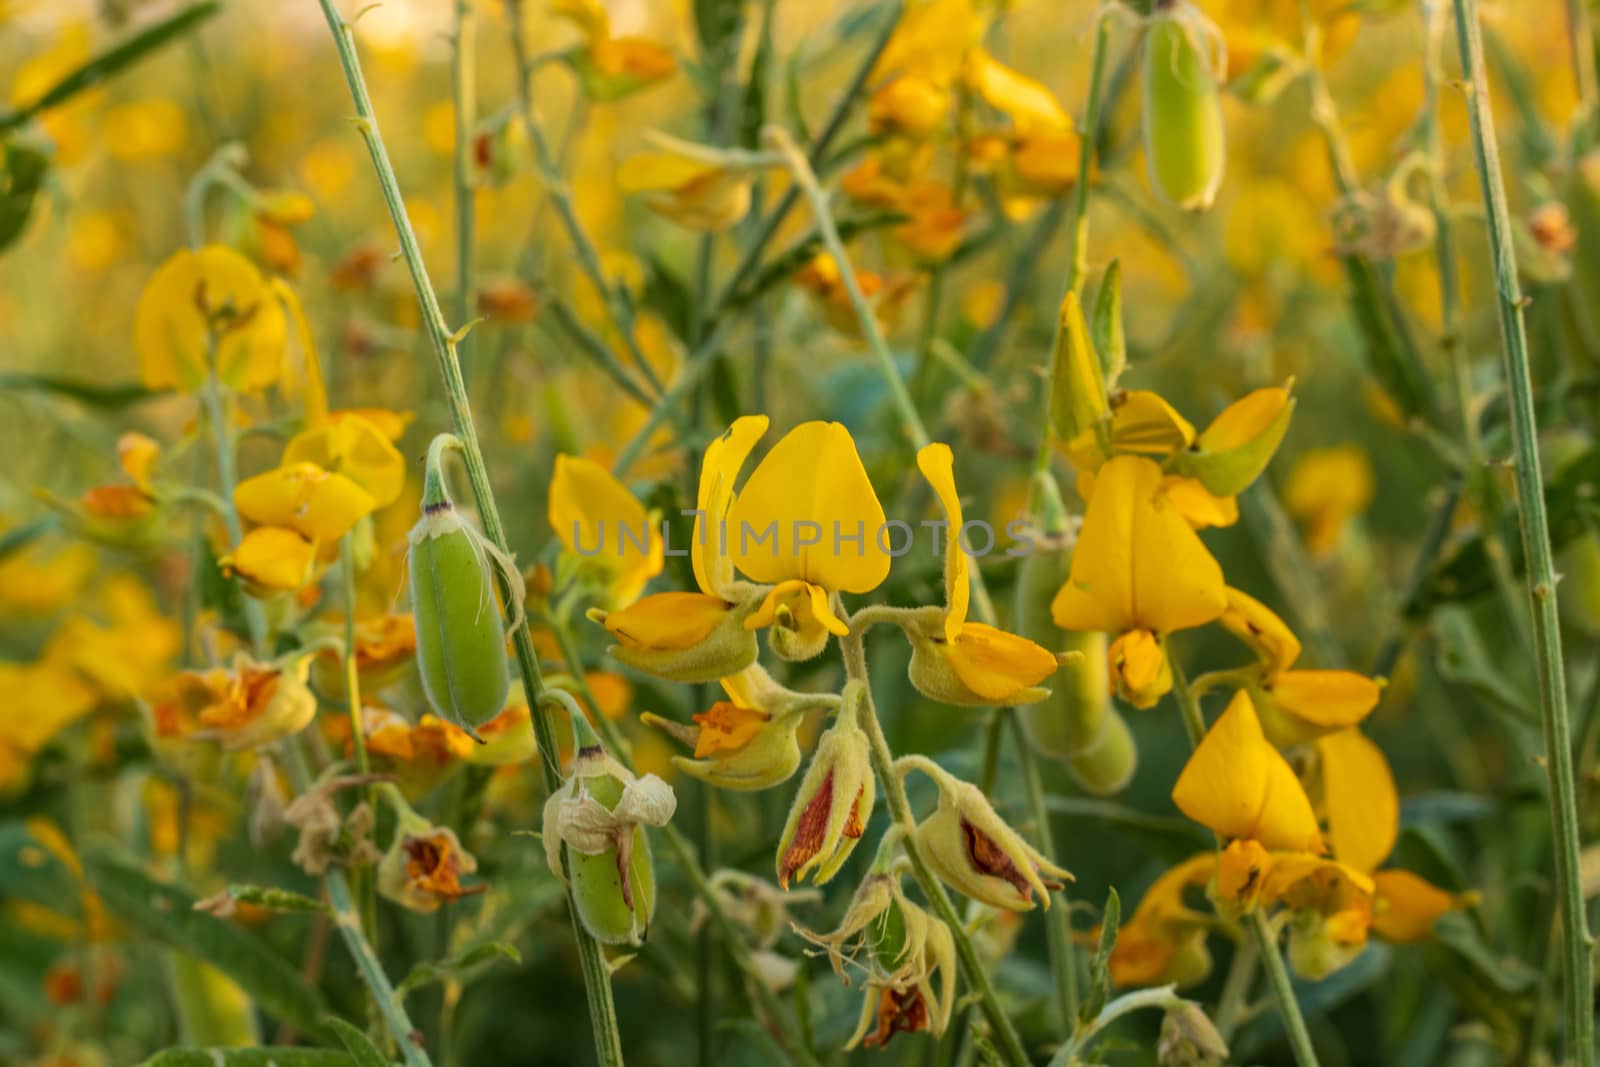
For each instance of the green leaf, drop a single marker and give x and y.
(1100, 965)
(753, 100)
(1464, 659)
(274, 899)
(423, 973)
(250, 1057)
(21, 176)
(357, 1043)
(90, 394)
(114, 60)
(717, 24)
(670, 297)
(166, 913)
(218, 592)
(1458, 936)
(1110, 343)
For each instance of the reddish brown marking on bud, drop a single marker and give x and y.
(988, 858)
(898, 1013)
(482, 150)
(852, 825)
(809, 833)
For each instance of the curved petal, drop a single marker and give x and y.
(806, 497)
(1359, 797)
(937, 465)
(1326, 698)
(718, 468)
(996, 664)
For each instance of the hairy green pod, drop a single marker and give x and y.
(613, 914)
(1184, 143)
(1076, 724)
(461, 642)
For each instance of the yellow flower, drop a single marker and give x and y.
(272, 559)
(611, 67)
(912, 104)
(1260, 627)
(315, 503)
(42, 699)
(808, 514)
(690, 184)
(1240, 786)
(608, 536)
(1032, 108)
(1165, 940)
(252, 704)
(143, 130)
(1138, 566)
(962, 662)
(208, 310)
(1326, 489)
(356, 446)
(697, 636)
(748, 741)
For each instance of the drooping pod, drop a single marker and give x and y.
(1184, 143)
(461, 640)
(1077, 723)
(600, 814)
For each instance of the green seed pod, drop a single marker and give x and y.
(1184, 145)
(600, 815)
(1076, 724)
(461, 642)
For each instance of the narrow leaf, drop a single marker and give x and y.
(423, 973)
(250, 1057)
(357, 1043)
(1110, 342)
(1100, 965)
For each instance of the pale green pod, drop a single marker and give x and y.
(1184, 143)
(1077, 723)
(614, 912)
(461, 642)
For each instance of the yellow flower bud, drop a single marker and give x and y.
(972, 850)
(748, 742)
(834, 801)
(682, 637)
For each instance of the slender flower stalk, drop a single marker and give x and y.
(1534, 525)
(464, 98)
(597, 981)
(366, 887)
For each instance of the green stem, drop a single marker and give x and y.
(1058, 920)
(1236, 989)
(1005, 1032)
(1294, 1023)
(1580, 33)
(464, 98)
(1535, 530)
(1078, 267)
(366, 888)
(211, 396)
(597, 981)
(806, 181)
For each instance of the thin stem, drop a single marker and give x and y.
(464, 99)
(366, 889)
(1535, 530)
(216, 408)
(1078, 266)
(1294, 1024)
(1005, 1032)
(597, 982)
(1058, 920)
(806, 180)
(1580, 33)
(1236, 988)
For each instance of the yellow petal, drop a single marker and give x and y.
(355, 447)
(1078, 401)
(727, 727)
(808, 605)
(305, 498)
(1259, 627)
(1237, 784)
(1031, 107)
(1359, 798)
(719, 467)
(1137, 565)
(596, 518)
(273, 559)
(137, 455)
(997, 665)
(1143, 421)
(937, 465)
(1198, 507)
(1326, 698)
(1407, 906)
(658, 171)
(1240, 442)
(199, 297)
(806, 496)
(667, 621)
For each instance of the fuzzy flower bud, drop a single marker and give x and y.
(834, 802)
